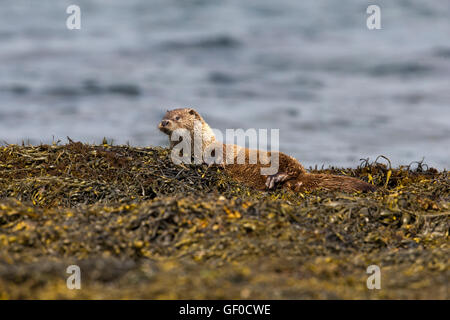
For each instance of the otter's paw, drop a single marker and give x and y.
(274, 179)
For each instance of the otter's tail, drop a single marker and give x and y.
(312, 181)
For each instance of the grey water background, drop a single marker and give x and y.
(337, 91)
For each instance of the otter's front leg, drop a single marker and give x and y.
(275, 179)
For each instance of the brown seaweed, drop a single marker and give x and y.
(140, 226)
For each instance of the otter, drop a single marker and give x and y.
(291, 174)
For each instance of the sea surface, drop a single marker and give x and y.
(337, 91)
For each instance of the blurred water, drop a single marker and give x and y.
(337, 91)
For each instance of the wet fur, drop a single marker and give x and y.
(291, 173)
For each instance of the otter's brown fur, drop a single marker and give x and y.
(291, 174)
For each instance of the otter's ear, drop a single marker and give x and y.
(193, 112)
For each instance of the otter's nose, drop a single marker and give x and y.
(164, 123)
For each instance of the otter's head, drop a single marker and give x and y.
(179, 119)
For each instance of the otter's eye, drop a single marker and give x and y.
(177, 118)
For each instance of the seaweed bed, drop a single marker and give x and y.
(141, 227)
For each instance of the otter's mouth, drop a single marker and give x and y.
(165, 126)
(164, 130)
